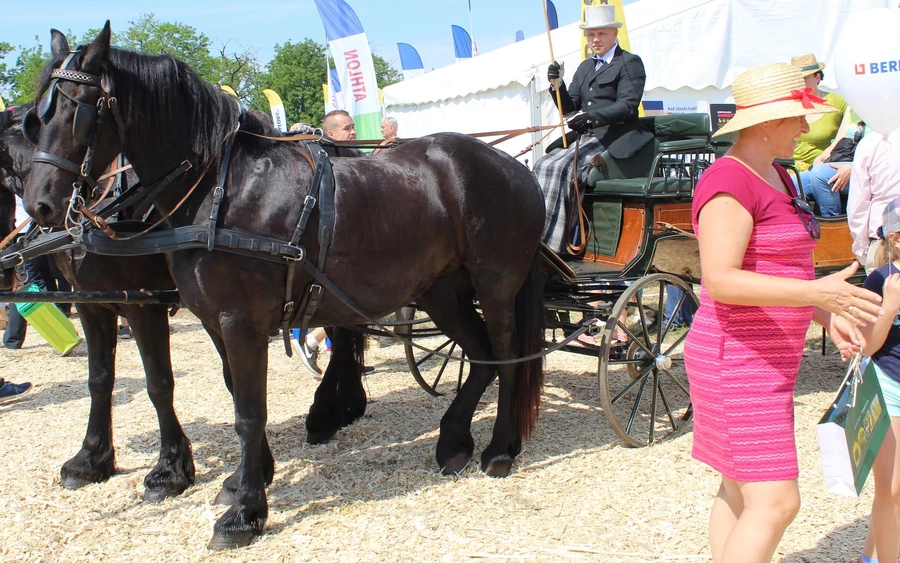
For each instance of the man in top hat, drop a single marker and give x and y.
(606, 89)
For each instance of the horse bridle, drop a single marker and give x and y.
(86, 127)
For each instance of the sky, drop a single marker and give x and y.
(260, 26)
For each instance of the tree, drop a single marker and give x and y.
(385, 72)
(297, 73)
(150, 36)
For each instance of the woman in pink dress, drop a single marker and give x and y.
(758, 295)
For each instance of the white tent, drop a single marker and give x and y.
(692, 50)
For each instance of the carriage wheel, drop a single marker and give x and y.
(427, 369)
(643, 385)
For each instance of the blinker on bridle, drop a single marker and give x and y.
(86, 125)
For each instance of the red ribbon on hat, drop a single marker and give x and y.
(805, 96)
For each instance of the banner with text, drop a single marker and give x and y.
(277, 108)
(355, 68)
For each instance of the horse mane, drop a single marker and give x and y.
(151, 88)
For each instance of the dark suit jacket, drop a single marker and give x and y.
(610, 96)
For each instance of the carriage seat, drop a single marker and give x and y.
(658, 169)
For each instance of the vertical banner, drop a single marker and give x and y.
(2, 105)
(520, 35)
(410, 61)
(353, 62)
(462, 43)
(228, 89)
(277, 109)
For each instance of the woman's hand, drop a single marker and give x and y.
(846, 337)
(857, 305)
(841, 178)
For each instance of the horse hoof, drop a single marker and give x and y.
(225, 497)
(319, 437)
(158, 495)
(230, 540)
(455, 465)
(73, 482)
(499, 466)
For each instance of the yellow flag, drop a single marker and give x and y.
(228, 89)
(277, 108)
(2, 105)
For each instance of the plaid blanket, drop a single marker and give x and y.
(554, 173)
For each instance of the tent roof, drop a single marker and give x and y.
(684, 44)
(515, 63)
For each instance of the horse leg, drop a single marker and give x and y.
(340, 398)
(174, 472)
(506, 442)
(516, 327)
(95, 462)
(449, 304)
(230, 486)
(246, 345)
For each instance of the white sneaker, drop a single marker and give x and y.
(307, 356)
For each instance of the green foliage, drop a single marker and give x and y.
(297, 73)
(385, 73)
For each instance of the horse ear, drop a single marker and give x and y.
(97, 51)
(59, 45)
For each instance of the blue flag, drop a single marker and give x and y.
(551, 15)
(410, 61)
(462, 43)
(520, 35)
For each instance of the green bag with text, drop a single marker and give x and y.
(852, 430)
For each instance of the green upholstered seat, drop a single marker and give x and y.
(675, 135)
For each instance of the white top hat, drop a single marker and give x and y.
(596, 17)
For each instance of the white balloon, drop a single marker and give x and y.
(867, 67)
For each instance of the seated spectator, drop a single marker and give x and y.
(822, 179)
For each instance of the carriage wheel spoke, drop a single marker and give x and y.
(637, 402)
(443, 366)
(677, 382)
(652, 417)
(640, 379)
(429, 355)
(676, 343)
(669, 413)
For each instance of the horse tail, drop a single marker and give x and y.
(530, 335)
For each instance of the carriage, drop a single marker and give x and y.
(642, 247)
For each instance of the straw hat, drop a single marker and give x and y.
(807, 64)
(774, 91)
(603, 15)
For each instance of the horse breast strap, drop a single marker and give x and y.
(321, 193)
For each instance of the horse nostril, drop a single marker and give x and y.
(44, 212)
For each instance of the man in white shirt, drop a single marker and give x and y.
(875, 181)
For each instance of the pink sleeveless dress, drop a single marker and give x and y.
(742, 361)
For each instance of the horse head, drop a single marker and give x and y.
(15, 153)
(74, 127)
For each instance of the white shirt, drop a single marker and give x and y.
(606, 58)
(874, 182)
(21, 216)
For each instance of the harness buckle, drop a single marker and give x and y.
(301, 253)
(309, 202)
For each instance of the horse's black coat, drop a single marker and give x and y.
(441, 221)
(95, 462)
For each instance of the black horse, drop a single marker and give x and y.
(95, 462)
(441, 221)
